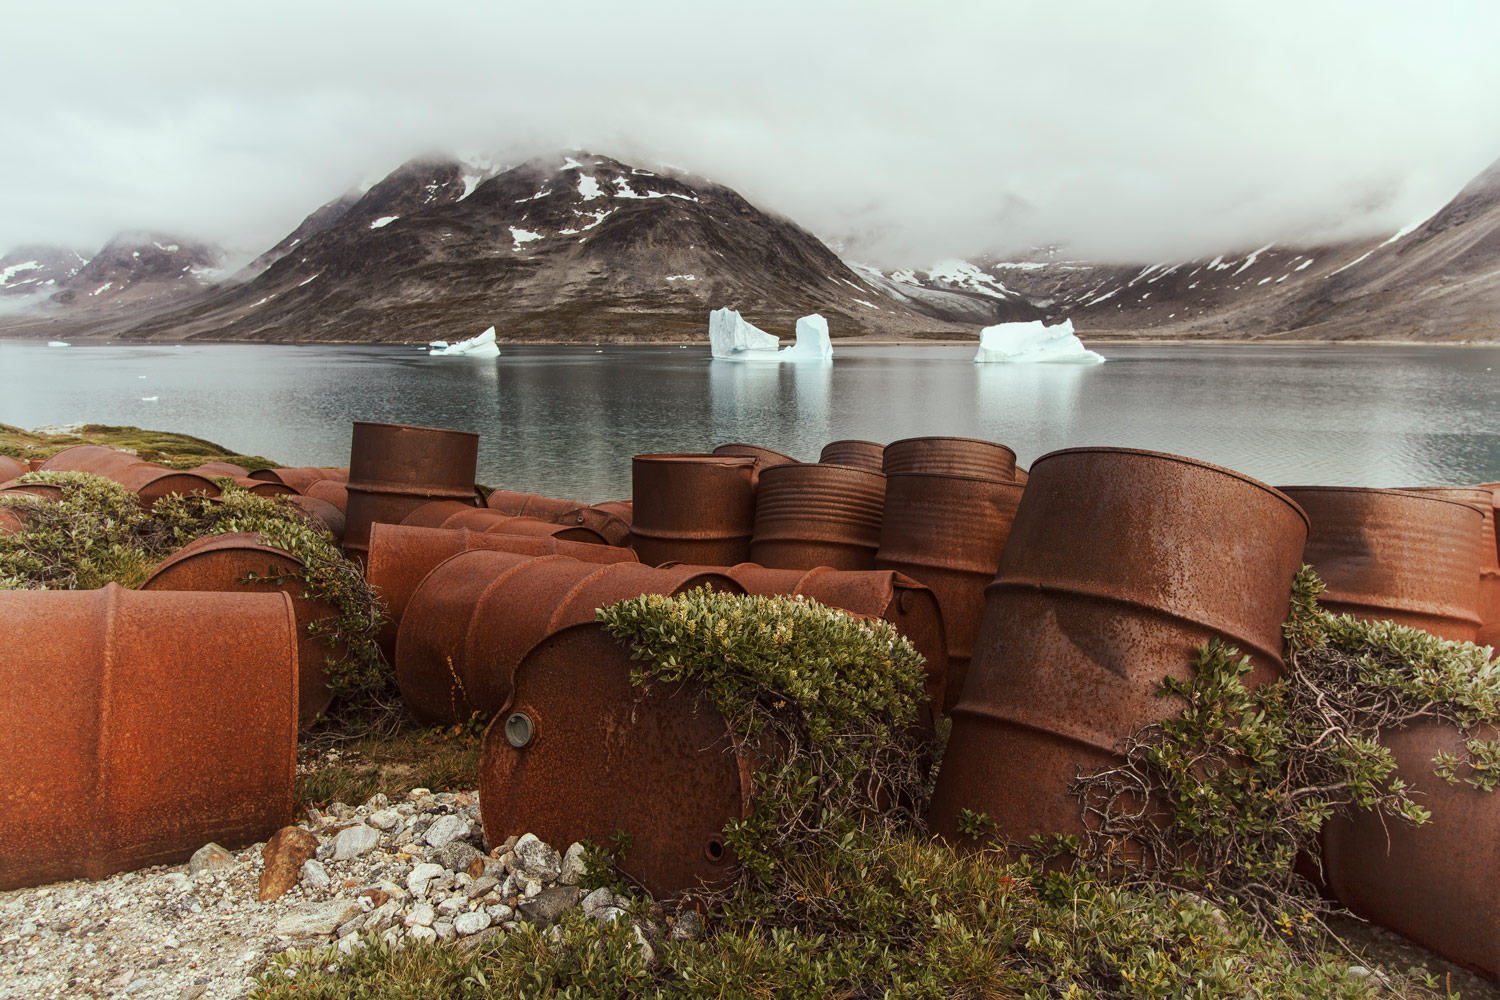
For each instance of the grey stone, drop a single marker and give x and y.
(596, 900)
(421, 877)
(354, 841)
(609, 915)
(452, 905)
(480, 886)
(314, 874)
(209, 858)
(192, 991)
(444, 929)
(688, 926)
(420, 933)
(446, 829)
(471, 923)
(474, 941)
(383, 916)
(550, 904)
(351, 925)
(377, 801)
(643, 946)
(385, 819)
(500, 913)
(421, 915)
(457, 855)
(538, 859)
(316, 919)
(572, 865)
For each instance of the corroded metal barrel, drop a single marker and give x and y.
(609, 525)
(395, 468)
(1120, 565)
(765, 458)
(301, 478)
(809, 515)
(46, 491)
(1388, 554)
(12, 469)
(473, 617)
(529, 504)
(1439, 883)
(320, 512)
(10, 521)
(950, 456)
(611, 521)
(259, 487)
(855, 454)
(239, 563)
(452, 514)
(582, 753)
(224, 469)
(137, 727)
(948, 532)
(401, 557)
(149, 481)
(693, 508)
(334, 491)
(1483, 498)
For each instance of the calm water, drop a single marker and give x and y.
(564, 421)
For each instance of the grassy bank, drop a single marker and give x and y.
(180, 451)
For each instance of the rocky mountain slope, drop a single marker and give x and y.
(141, 271)
(35, 271)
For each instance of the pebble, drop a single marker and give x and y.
(421, 915)
(314, 874)
(537, 859)
(572, 865)
(471, 923)
(421, 877)
(446, 829)
(209, 858)
(356, 840)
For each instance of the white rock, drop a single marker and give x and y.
(385, 819)
(482, 346)
(471, 923)
(597, 900)
(731, 338)
(500, 912)
(383, 916)
(421, 915)
(446, 829)
(812, 341)
(314, 874)
(422, 934)
(209, 858)
(537, 859)
(642, 945)
(316, 919)
(1033, 343)
(443, 929)
(354, 841)
(572, 865)
(452, 905)
(421, 875)
(609, 915)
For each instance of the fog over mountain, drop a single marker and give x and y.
(1169, 130)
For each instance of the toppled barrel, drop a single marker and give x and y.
(810, 515)
(239, 563)
(301, 478)
(472, 618)
(582, 754)
(333, 491)
(320, 512)
(1483, 498)
(452, 514)
(12, 469)
(1388, 554)
(855, 454)
(401, 557)
(227, 470)
(692, 508)
(161, 721)
(10, 521)
(395, 468)
(529, 504)
(1438, 883)
(149, 481)
(46, 491)
(611, 521)
(1120, 565)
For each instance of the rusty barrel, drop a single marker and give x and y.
(334, 491)
(809, 515)
(1120, 565)
(606, 523)
(151, 482)
(401, 556)
(474, 616)
(226, 564)
(320, 512)
(765, 458)
(256, 486)
(1439, 883)
(396, 468)
(582, 753)
(12, 469)
(46, 491)
(855, 454)
(10, 521)
(1482, 497)
(91, 458)
(1411, 558)
(950, 456)
(529, 504)
(226, 470)
(452, 514)
(692, 508)
(948, 532)
(302, 477)
(137, 727)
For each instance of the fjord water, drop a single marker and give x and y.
(564, 421)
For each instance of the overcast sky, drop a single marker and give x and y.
(1125, 130)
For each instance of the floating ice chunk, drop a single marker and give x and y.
(437, 343)
(149, 399)
(1033, 343)
(482, 346)
(732, 339)
(812, 341)
(58, 343)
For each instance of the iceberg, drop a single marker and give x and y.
(58, 343)
(1033, 343)
(482, 346)
(812, 341)
(730, 338)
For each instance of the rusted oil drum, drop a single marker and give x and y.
(529, 504)
(401, 557)
(1120, 565)
(1022, 475)
(1388, 554)
(614, 529)
(582, 754)
(1439, 883)
(809, 515)
(1483, 498)
(10, 521)
(432, 515)
(948, 532)
(855, 454)
(256, 486)
(692, 508)
(321, 512)
(301, 478)
(623, 509)
(149, 481)
(473, 617)
(334, 491)
(92, 458)
(227, 470)
(950, 456)
(12, 469)
(451, 514)
(765, 458)
(46, 491)
(395, 468)
(161, 721)
(225, 563)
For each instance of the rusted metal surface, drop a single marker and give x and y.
(598, 755)
(948, 532)
(334, 491)
(475, 615)
(302, 477)
(161, 721)
(401, 556)
(1119, 566)
(256, 486)
(765, 458)
(44, 490)
(432, 515)
(10, 521)
(692, 508)
(1482, 497)
(91, 458)
(855, 454)
(608, 525)
(451, 514)
(1439, 883)
(623, 509)
(321, 512)
(148, 480)
(223, 469)
(225, 563)
(1022, 475)
(951, 456)
(396, 468)
(11, 469)
(809, 515)
(1389, 554)
(529, 504)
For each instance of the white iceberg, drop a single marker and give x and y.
(482, 346)
(732, 339)
(1033, 343)
(58, 343)
(812, 341)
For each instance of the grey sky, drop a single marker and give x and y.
(920, 131)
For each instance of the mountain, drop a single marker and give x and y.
(38, 269)
(141, 271)
(578, 247)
